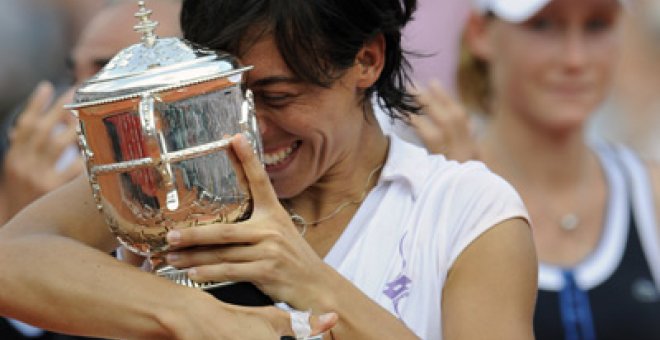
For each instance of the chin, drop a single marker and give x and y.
(568, 113)
(566, 124)
(286, 189)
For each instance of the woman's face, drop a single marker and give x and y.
(306, 130)
(556, 68)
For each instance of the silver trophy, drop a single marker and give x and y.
(155, 128)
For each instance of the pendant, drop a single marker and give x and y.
(298, 220)
(569, 222)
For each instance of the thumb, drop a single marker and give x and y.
(323, 323)
(292, 326)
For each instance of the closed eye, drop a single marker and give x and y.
(276, 99)
(598, 25)
(540, 24)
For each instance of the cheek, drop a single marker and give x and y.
(515, 77)
(604, 63)
(606, 66)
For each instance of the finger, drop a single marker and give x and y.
(297, 324)
(432, 136)
(434, 108)
(39, 100)
(241, 180)
(438, 92)
(280, 320)
(232, 272)
(214, 234)
(454, 111)
(59, 150)
(37, 103)
(61, 142)
(454, 116)
(422, 97)
(413, 89)
(57, 110)
(200, 256)
(430, 109)
(323, 323)
(46, 126)
(260, 186)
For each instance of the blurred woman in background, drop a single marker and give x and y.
(538, 69)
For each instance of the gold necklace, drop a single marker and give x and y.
(300, 221)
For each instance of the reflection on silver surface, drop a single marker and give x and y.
(155, 129)
(167, 165)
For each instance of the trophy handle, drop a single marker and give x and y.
(249, 125)
(88, 156)
(156, 148)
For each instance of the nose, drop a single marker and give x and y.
(575, 49)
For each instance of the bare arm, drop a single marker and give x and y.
(55, 273)
(268, 251)
(490, 291)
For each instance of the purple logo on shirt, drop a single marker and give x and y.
(398, 288)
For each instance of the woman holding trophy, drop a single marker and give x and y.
(343, 219)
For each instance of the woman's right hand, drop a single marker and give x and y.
(240, 322)
(446, 127)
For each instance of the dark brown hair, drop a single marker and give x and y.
(318, 39)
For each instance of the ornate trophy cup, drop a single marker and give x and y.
(154, 130)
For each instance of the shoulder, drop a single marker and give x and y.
(640, 171)
(642, 174)
(653, 167)
(472, 182)
(448, 186)
(457, 200)
(433, 174)
(502, 260)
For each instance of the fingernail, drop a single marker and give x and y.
(41, 85)
(242, 140)
(174, 237)
(172, 257)
(327, 317)
(192, 273)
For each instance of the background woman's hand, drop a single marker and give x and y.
(446, 127)
(33, 163)
(266, 249)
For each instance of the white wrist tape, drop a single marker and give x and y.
(300, 324)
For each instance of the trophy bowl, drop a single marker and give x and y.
(155, 130)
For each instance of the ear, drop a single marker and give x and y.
(369, 62)
(477, 36)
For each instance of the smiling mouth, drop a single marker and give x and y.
(280, 156)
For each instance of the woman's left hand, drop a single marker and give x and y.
(266, 249)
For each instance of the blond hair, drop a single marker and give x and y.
(473, 80)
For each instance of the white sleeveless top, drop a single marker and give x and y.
(424, 211)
